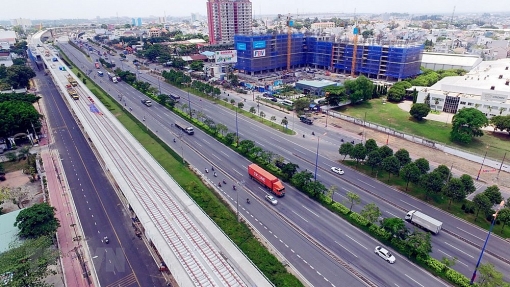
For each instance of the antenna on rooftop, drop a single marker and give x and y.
(453, 13)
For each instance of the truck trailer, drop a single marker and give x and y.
(266, 179)
(424, 221)
(72, 92)
(185, 127)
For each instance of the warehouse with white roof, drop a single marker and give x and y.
(486, 88)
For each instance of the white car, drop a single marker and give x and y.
(337, 170)
(271, 199)
(384, 254)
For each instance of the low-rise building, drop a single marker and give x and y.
(486, 88)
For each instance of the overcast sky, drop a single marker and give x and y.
(67, 9)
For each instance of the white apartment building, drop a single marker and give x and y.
(227, 18)
(486, 88)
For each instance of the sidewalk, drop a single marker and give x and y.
(67, 238)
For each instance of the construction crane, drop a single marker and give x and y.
(289, 22)
(355, 51)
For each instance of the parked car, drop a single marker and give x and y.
(384, 254)
(271, 199)
(337, 170)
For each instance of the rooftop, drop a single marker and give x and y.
(8, 232)
(450, 59)
(317, 84)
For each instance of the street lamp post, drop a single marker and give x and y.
(159, 84)
(189, 105)
(237, 198)
(481, 167)
(486, 240)
(317, 156)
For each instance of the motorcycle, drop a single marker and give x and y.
(234, 187)
(206, 170)
(219, 184)
(174, 140)
(248, 200)
(212, 168)
(313, 133)
(342, 140)
(224, 182)
(215, 175)
(106, 240)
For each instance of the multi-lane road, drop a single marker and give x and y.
(125, 261)
(325, 230)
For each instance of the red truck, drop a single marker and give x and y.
(268, 180)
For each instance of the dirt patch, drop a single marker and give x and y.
(18, 183)
(434, 156)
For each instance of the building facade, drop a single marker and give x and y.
(227, 18)
(486, 88)
(268, 53)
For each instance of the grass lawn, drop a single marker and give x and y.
(392, 116)
(437, 200)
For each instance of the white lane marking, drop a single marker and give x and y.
(241, 174)
(346, 249)
(458, 249)
(366, 183)
(224, 154)
(300, 216)
(470, 233)
(391, 214)
(310, 211)
(356, 241)
(456, 261)
(410, 204)
(413, 280)
(340, 195)
(216, 157)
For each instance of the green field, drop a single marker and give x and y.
(390, 115)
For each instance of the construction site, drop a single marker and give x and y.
(259, 54)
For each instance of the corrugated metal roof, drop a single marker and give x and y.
(450, 59)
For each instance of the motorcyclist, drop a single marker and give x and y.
(234, 187)
(247, 200)
(215, 174)
(224, 181)
(206, 170)
(313, 133)
(174, 139)
(219, 184)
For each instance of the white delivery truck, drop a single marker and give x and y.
(424, 221)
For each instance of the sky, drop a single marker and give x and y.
(88, 9)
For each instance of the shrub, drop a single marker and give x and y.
(359, 219)
(340, 208)
(457, 278)
(379, 232)
(435, 265)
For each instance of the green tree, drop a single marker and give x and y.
(37, 220)
(359, 90)
(345, 149)
(391, 165)
(371, 145)
(482, 203)
(488, 276)
(285, 122)
(501, 123)
(419, 245)
(423, 165)
(432, 183)
(19, 76)
(29, 263)
(403, 157)
(466, 124)
(197, 66)
(289, 169)
(262, 114)
(371, 212)
(301, 104)
(394, 225)
(444, 171)
(352, 199)
(246, 146)
(454, 191)
(410, 173)
(253, 110)
(385, 151)
(493, 194)
(240, 105)
(419, 111)
(397, 92)
(230, 138)
(374, 159)
(315, 188)
(222, 128)
(467, 184)
(358, 152)
(300, 179)
(273, 119)
(504, 217)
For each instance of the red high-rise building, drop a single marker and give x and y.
(227, 18)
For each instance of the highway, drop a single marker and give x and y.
(325, 229)
(99, 209)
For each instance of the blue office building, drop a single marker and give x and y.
(258, 54)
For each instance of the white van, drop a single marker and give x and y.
(287, 103)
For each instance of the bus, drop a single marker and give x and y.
(175, 98)
(287, 103)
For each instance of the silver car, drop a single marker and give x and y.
(271, 199)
